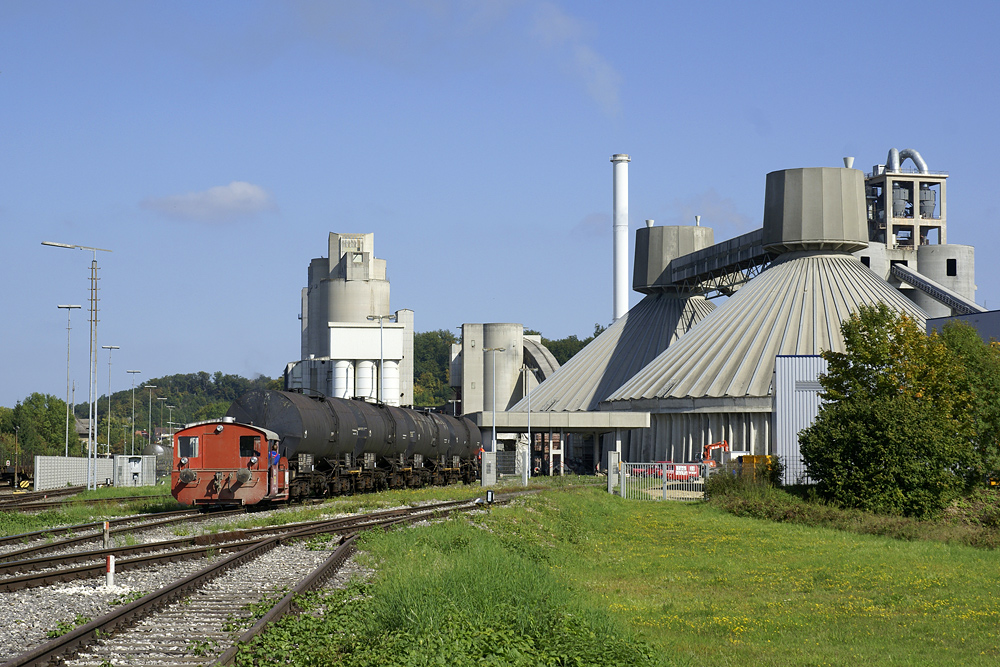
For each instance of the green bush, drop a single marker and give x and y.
(907, 425)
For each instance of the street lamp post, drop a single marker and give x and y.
(69, 311)
(109, 348)
(494, 350)
(381, 353)
(149, 414)
(92, 387)
(170, 422)
(162, 400)
(17, 454)
(132, 373)
(528, 371)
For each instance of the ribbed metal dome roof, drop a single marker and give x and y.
(618, 353)
(794, 307)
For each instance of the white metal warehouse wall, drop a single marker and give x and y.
(796, 405)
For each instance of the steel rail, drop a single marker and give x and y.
(198, 546)
(101, 627)
(69, 530)
(32, 506)
(316, 579)
(89, 537)
(19, 498)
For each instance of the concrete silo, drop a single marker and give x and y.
(352, 345)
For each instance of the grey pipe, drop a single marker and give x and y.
(893, 161)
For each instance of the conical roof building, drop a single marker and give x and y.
(715, 382)
(664, 315)
(618, 353)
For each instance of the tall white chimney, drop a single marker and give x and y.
(620, 231)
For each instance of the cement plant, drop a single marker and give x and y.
(679, 370)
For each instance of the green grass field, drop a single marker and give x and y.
(709, 587)
(672, 583)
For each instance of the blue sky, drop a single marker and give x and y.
(214, 145)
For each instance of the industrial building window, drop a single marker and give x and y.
(952, 267)
(249, 445)
(867, 261)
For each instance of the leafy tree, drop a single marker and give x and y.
(214, 410)
(40, 423)
(195, 397)
(431, 362)
(897, 433)
(981, 362)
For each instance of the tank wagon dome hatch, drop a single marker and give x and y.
(227, 420)
(715, 381)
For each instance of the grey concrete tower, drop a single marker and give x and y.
(352, 345)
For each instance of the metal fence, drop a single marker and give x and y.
(662, 481)
(506, 463)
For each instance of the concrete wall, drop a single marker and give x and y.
(472, 366)
(932, 261)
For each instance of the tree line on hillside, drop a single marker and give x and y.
(39, 420)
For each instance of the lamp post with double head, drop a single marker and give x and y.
(132, 373)
(170, 422)
(92, 387)
(381, 353)
(162, 400)
(69, 312)
(494, 350)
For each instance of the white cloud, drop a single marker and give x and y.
(714, 209)
(428, 38)
(556, 29)
(593, 225)
(222, 203)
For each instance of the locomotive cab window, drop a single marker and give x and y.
(187, 446)
(249, 445)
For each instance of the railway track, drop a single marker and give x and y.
(32, 505)
(14, 501)
(94, 529)
(191, 621)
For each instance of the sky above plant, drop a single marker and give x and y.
(213, 146)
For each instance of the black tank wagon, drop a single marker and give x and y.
(325, 446)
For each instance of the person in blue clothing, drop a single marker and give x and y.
(272, 470)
